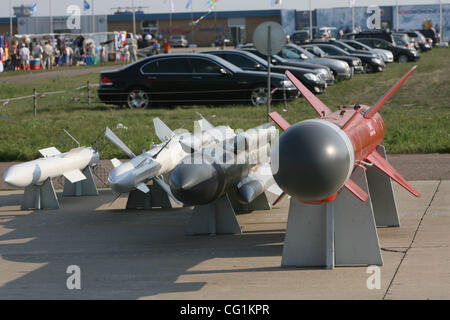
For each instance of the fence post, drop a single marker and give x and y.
(89, 92)
(34, 102)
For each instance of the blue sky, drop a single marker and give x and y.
(157, 6)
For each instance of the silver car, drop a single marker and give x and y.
(386, 55)
(340, 68)
(178, 41)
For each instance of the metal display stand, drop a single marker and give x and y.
(338, 233)
(382, 195)
(156, 198)
(86, 187)
(40, 197)
(218, 217)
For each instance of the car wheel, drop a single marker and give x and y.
(138, 98)
(258, 96)
(403, 59)
(368, 68)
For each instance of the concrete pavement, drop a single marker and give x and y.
(129, 254)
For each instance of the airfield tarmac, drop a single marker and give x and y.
(132, 254)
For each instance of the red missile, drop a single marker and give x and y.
(313, 159)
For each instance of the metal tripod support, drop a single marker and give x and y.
(338, 233)
(86, 187)
(156, 198)
(218, 217)
(40, 197)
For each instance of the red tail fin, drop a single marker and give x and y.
(279, 198)
(321, 109)
(388, 95)
(356, 190)
(379, 162)
(279, 120)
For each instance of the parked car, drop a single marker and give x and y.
(353, 62)
(178, 40)
(300, 37)
(313, 80)
(371, 62)
(401, 54)
(403, 40)
(339, 68)
(223, 40)
(419, 39)
(188, 78)
(277, 60)
(385, 35)
(385, 54)
(433, 35)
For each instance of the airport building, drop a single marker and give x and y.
(238, 25)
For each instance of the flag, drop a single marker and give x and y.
(189, 4)
(86, 5)
(274, 3)
(351, 3)
(33, 8)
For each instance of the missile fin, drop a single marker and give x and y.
(378, 161)
(279, 198)
(321, 109)
(370, 113)
(49, 152)
(143, 187)
(74, 176)
(166, 188)
(279, 120)
(116, 162)
(356, 190)
(118, 143)
(204, 124)
(162, 130)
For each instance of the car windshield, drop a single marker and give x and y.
(227, 64)
(318, 52)
(298, 51)
(279, 59)
(360, 46)
(345, 46)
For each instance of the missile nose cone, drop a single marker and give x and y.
(194, 184)
(21, 176)
(247, 193)
(121, 183)
(312, 160)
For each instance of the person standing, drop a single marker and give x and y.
(37, 51)
(133, 50)
(156, 47)
(25, 57)
(166, 46)
(48, 54)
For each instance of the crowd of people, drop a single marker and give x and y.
(48, 53)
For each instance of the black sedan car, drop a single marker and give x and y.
(353, 62)
(277, 60)
(401, 54)
(313, 80)
(188, 78)
(371, 62)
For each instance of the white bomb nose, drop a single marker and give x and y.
(20, 176)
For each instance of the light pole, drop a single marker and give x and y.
(93, 17)
(134, 18)
(50, 13)
(396, 15)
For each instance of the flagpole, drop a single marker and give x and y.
(93, 26)
(192, 24)
(353, 17)
(396, 15)
(310, 21)
(440, 22)
(10, 19)
(51, 17)
(134, 18)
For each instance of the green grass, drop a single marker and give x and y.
(417, 118)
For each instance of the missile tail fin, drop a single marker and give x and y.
(166, 188)
(356, 190)
(74, 176)
(116, 162)
(279, 198)
(49, 152)
(321, 109)
(118, 143)
(143, 187)
(372, 111)
(279, 120)
(378, 161)
(162, 130)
